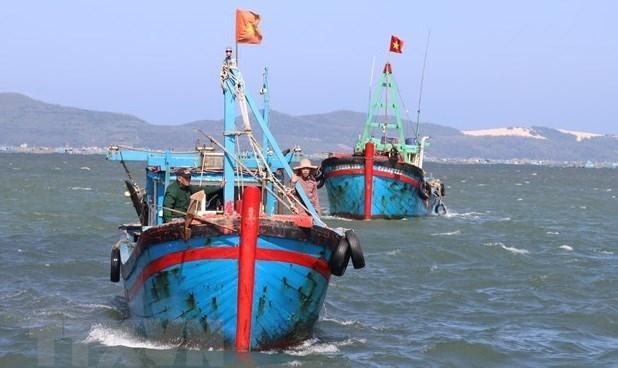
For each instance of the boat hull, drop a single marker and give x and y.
(396, 189)
(187, 291)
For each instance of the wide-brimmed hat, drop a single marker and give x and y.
(185, 173)
(305, 163)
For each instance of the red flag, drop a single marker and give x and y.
(247, 30)
(396, 45)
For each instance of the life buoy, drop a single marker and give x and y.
(319, 177)
(356, 252)
(340, 257)
(114, 274)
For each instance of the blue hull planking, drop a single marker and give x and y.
(187, 291)
(395, 189)
(191, 282)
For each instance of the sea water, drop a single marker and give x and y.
(520, 272)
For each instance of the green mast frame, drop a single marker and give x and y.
(388, 135)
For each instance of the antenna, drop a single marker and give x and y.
(420, 93)
(373, 64)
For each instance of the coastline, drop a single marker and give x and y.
(448, 161)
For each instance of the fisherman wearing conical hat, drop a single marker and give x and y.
(304, 174)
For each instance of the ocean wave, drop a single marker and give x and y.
(566, 247)
(506, 247)
(96, 306)
(315, 347)
(81, 188)
(348, 322)
(393, 252)
(515, 250)
(466, 215)
(117, 337)
(456, 232)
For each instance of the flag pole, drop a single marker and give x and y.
(236, 53)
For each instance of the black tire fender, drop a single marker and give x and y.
(138, 200)
(422, 191)
(441, 209)
(356, 252)
(319, 177)
(114, 274)
(340, 257)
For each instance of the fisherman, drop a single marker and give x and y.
(178, 195)
(228, 63)
(304, 174)
(228, 57)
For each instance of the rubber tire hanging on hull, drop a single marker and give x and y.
(422, 191)
(356, 252)
(440, 209)
(340, 258)
(319, 177)
(139, 203)
(114, 274)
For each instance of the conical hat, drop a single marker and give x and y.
(305, 163)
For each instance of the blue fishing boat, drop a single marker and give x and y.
(248, 264)
(384, 177)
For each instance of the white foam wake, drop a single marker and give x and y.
(314, 346)
(342, 323)
(464, 215)
(117, 337)
(456, 232)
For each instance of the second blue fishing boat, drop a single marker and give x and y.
(384, 177)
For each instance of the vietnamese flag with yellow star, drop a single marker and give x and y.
(396, 45)
(247, 30)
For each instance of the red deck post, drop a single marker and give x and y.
(369, 153)
(249, 228)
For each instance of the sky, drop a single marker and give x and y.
(490, 63)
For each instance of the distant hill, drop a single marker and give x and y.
(36, 123)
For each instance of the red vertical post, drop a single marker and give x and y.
(369, 153)
(249, 228)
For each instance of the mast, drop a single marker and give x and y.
(229, 138)
(233, 91)
(386, 96)
(265, 92)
